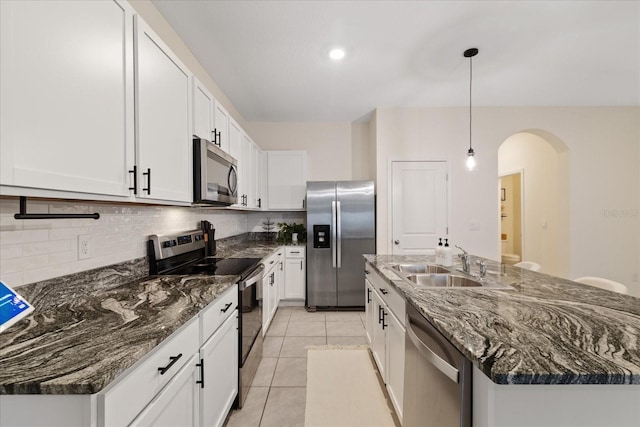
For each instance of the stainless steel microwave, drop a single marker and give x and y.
(215, 175)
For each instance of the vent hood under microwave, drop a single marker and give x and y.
(215, 175)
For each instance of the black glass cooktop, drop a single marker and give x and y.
(219, 266)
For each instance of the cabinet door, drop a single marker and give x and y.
(66, 78)
(235, 149)
(395, 361)
(262, 180)
(257, 171)
(163, 106)
(378, 348)
(221, 123)
(246, 165)
(295, 276)
(286, 179)
(370, 316)
(177, 403)
(203, 111)
(220, 358)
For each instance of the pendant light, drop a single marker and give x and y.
(471, 160)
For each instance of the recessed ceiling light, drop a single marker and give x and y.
(337, 53)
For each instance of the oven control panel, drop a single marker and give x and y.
(169, 245)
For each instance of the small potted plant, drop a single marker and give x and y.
(287, 232)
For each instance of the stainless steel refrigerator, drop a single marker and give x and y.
(340, 229)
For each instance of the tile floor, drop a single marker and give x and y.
(277, 397)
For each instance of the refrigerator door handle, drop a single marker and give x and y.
(333, 233)
(339, 235)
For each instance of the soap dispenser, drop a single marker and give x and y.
(439, 252)
(447, 254)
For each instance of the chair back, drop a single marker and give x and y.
(602, 283)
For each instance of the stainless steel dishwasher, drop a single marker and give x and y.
(437, 382)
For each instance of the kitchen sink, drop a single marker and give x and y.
(420, 268)
(442, 281)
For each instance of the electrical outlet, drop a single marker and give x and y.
(84, 246)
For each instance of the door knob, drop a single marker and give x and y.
(397, 242)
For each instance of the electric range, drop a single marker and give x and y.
(189, 253)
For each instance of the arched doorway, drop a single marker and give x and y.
(533, 167)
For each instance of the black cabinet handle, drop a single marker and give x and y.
(379, 314)
(281, 267)
(259, 202)
(173, 359)
(216, 138)
(366, 271)
(201, 365)
(300, 265)
(226, 307)
(148, 174)
(303, 203)
(368, 295)
(384, 325)
(134, 171)
(384, 291)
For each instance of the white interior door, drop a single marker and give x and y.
(419, 206)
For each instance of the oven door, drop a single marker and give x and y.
(250, 330)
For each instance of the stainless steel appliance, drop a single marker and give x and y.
(215, 175)
(437, 379)
(186, 253)
(340, 229)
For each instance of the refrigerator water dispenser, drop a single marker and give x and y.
(321, 236)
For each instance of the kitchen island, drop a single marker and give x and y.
(545, 350)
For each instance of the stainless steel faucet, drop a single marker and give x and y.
(466, 260)
(483, 267)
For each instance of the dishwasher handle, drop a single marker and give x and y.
(442, 365)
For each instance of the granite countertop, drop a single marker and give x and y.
(90, 327)
(542, 330)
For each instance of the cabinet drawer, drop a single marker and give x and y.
(120, 403)
(388, 293)
(294, 251)
(272, 259)
(215, 313)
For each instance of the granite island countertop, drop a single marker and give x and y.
(542, 330)
(90, 327)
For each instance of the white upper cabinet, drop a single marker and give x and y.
(210, 118)
(221, 126)
(286, 179)
(248, 155)
(203, 111)
(66, 90)
(163, 107)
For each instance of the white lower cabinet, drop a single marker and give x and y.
(384, 323)
(176, 404)
(271, 289)
(182, 383)
(219, 360)
(295, 277)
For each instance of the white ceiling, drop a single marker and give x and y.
(269, 57)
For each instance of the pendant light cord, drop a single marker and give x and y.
(470, 82)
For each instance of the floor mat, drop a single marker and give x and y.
(343, 389)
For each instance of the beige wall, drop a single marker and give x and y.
(545, 215)
(328, 145)
(602, 153)
(361, 167)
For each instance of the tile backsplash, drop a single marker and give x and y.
(35, 250)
